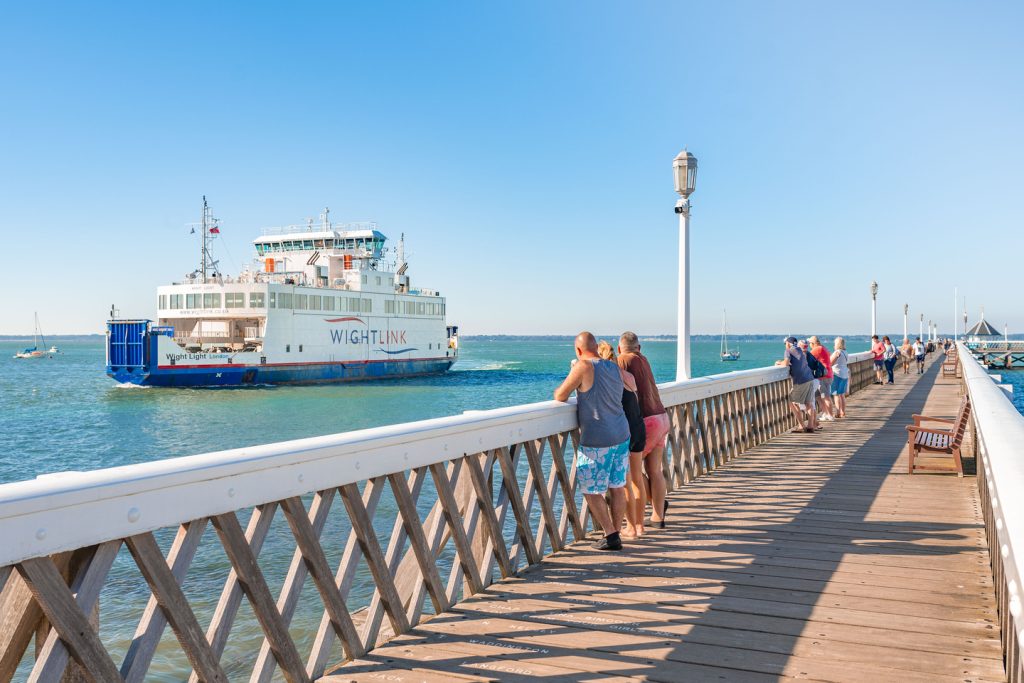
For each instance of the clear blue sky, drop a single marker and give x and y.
(525, 149)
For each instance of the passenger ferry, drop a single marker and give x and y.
(319, 305)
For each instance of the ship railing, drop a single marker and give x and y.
(318, 227)
(382, 527)
(997, 431)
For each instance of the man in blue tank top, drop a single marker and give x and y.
(602, 461)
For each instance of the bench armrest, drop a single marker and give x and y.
(918, 419)
(915, 429)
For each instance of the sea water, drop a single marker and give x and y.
(63, 413)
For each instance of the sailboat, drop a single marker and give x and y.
(36, 351)
(727, 353)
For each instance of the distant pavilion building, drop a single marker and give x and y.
(981, 332)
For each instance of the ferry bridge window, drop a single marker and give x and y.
(329, 244)
(273, 300)
(163, 301)
(177, 301)
(256, 300)
(367, 305)
(389, 307)
(353, 305)
(378, 280)
(328, 303)
(234, 299)
(284, 300)
(301, 301)
(419, 308)
(315, 302)
(319, 244)
(259, 249)
(193, 300)
(410, 307)
(211, 300)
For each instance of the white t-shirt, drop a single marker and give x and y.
(840, 367)
(918, 349)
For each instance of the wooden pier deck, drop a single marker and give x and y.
(811, 556)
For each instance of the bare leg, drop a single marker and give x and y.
(798, 414)
(653, 463)
(599, 509)
(636, 495)
(841, 404)
(812, 417)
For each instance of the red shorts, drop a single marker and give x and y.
(657, 429)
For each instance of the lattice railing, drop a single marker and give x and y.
(997, 437)
(362, 535)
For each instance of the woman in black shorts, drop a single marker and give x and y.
(637, 439)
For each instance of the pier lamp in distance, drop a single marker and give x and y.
(684, 169)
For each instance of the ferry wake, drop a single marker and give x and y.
(319, 304)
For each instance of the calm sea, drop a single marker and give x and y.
(65, 414)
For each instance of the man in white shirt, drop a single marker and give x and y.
(919, 355)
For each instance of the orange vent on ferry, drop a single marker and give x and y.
(270, 265)
(348, 262)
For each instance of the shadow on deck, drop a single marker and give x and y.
(812, 556)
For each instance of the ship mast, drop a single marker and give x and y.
(204, 252)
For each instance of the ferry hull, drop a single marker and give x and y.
(291, 373)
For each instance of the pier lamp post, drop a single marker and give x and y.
(684, 168)
(906, 310)
(874, 312)
(920, 328)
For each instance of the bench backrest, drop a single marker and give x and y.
(962, 417)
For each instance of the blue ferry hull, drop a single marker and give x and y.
(292, 373)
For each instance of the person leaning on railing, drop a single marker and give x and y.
(602, 460)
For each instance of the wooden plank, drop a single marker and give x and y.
(21, 616)
(151, 627)
(362, 525)
(231, 595)
(485, 502)
(251, 580)
(343, 579)
(556, 445)
(67, 618)
(175, 607)
(463, 549)
(418, 541)
(307, 537)
(291, 591)
(52, 657)
(511, 485)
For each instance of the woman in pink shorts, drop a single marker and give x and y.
(656, 424)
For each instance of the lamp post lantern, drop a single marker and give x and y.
(906, 310)
(684, 168)
(874, 313)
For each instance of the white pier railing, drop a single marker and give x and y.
(999, 447)
(430, 512)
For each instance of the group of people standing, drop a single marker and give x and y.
(623, 426)
(821, 381)
(888, 355)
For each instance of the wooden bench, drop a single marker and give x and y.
(951, 365)
(929, 442)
